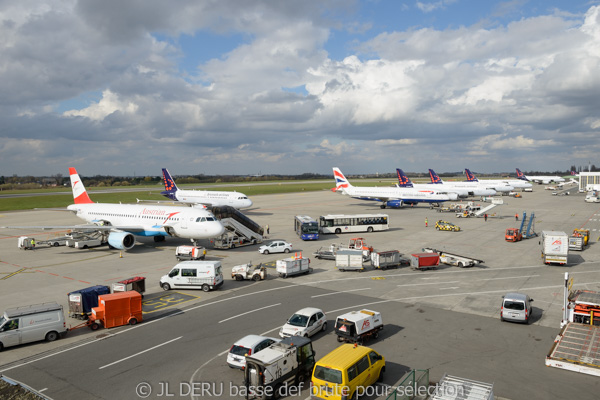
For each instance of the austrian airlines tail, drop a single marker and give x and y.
(79, 193)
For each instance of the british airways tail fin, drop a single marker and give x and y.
(403, 180)
(341, 183)
(470, 176)
(80, 195)
(434, 177)
(521, 175)
(170, 186)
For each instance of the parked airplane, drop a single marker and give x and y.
(389, 196)
(472, 188)
(119, 222)
(541, 179)
(499, 185)
(405, 182)
(207, 197)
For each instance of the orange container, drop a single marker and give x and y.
(118, 309)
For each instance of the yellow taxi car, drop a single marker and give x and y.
(446, 226)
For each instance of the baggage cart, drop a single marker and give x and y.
(423, 261)
(388, 259)
(137, 283)
(293, 266)
(82, 301)
(349, 260)
(117, 309)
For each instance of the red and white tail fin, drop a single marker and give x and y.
(341, 183)
(79, 193)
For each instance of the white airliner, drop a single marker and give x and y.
(121, 221)
(472, 188)
(206, 197)
(514, 183)
(389, 196)
(453, 192)
(542, 179)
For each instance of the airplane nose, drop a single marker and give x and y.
(216, 229)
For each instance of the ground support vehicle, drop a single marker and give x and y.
(117, 309)
(584, 307)
(388, 259)
(205, 275)
(423, 261)
(513, 235)
(348, 259)
(478, 211)
(446, 226)
(358, 326)
(528, 226)
(555, 247)
(230, 240)
(24, 242)
(454, 259)
(190, 253)
(579, 239)
(576, 348)
(137, 283)
(237, 225)
(278, 366)
(293, 266)
(249, 271)
(360, 244)
(327, 253)
(463, 388)
(32, 323)
(82, 301)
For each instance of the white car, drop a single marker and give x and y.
(246, 346)
(305, 322)
(277, 246)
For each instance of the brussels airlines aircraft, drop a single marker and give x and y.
(515, 183)
(121, 221)
(207, 197)
(389, 196)
(539, 179)
(497, 184)
(462, 189)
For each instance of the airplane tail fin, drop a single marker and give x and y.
(403, 180)
(434, 177)
(341, 183)
(470, 176)
(521, 175)
(80, 195)
(170, 186)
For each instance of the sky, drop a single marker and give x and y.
(290, 87)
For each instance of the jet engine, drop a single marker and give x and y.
(121, 240)
(395, 203)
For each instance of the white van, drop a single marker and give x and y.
(205, 275)
(31, 323)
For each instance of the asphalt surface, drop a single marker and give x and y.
(446, 320)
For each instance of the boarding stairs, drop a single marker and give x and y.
(530, 222)
(485, 210)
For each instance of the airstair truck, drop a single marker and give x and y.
(555, 247)
(273, 369)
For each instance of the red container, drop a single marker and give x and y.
(118, 309)
(424, 260)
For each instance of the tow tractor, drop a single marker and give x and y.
(360, 244)
(579, 239)
(249, 271)
(513, 235)
(455, 259)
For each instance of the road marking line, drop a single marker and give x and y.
(141, 352)
(430, 283)
(249, 312)
(508, 277)
(345, 291)
(449, 288)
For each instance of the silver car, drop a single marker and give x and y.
(516, 307)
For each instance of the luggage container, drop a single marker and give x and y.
(358, 326)
(190, 253)
(117, 309)
(423, 261)
(82, 301)
(388, 259)
(137, 283)
(349, 260)
(293, 266)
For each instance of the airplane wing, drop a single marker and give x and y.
(84, 228)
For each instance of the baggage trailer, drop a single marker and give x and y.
(82, 301)
(453, 387)
(455, 259)
(349, 260)
(576, 348)
(388, 259)
(293, 266)
(137, 283)
(190, 253)
(358, 326)
(117, 309)
(327, 253)
(423, 261)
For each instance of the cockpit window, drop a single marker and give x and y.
(210, 218)
(200, 219)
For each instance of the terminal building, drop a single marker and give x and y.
(589, 181)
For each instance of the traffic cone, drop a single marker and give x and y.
(120, 254)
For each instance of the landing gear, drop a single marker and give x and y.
(382, 206)
(158, 239)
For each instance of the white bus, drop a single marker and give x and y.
(353, 223)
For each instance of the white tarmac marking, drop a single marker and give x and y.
(508, 277)
(449, 288)
(250, 312)
(431, 283)
(141, 352)
(345, 291)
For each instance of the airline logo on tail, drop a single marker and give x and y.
(470, 176)
(341, 182)
(403, 180)
(80, 195)
(170, 187)
(520, 175)
(434, 177)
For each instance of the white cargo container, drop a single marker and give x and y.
(357, 326)
(349, 260)
(190, 253)
(292, 266)
(555, 247)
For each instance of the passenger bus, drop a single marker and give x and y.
(306, 227)
(353, 223)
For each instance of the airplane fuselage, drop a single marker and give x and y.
(471, 188)
(407, 195)
(213, 198)
(183, 222)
